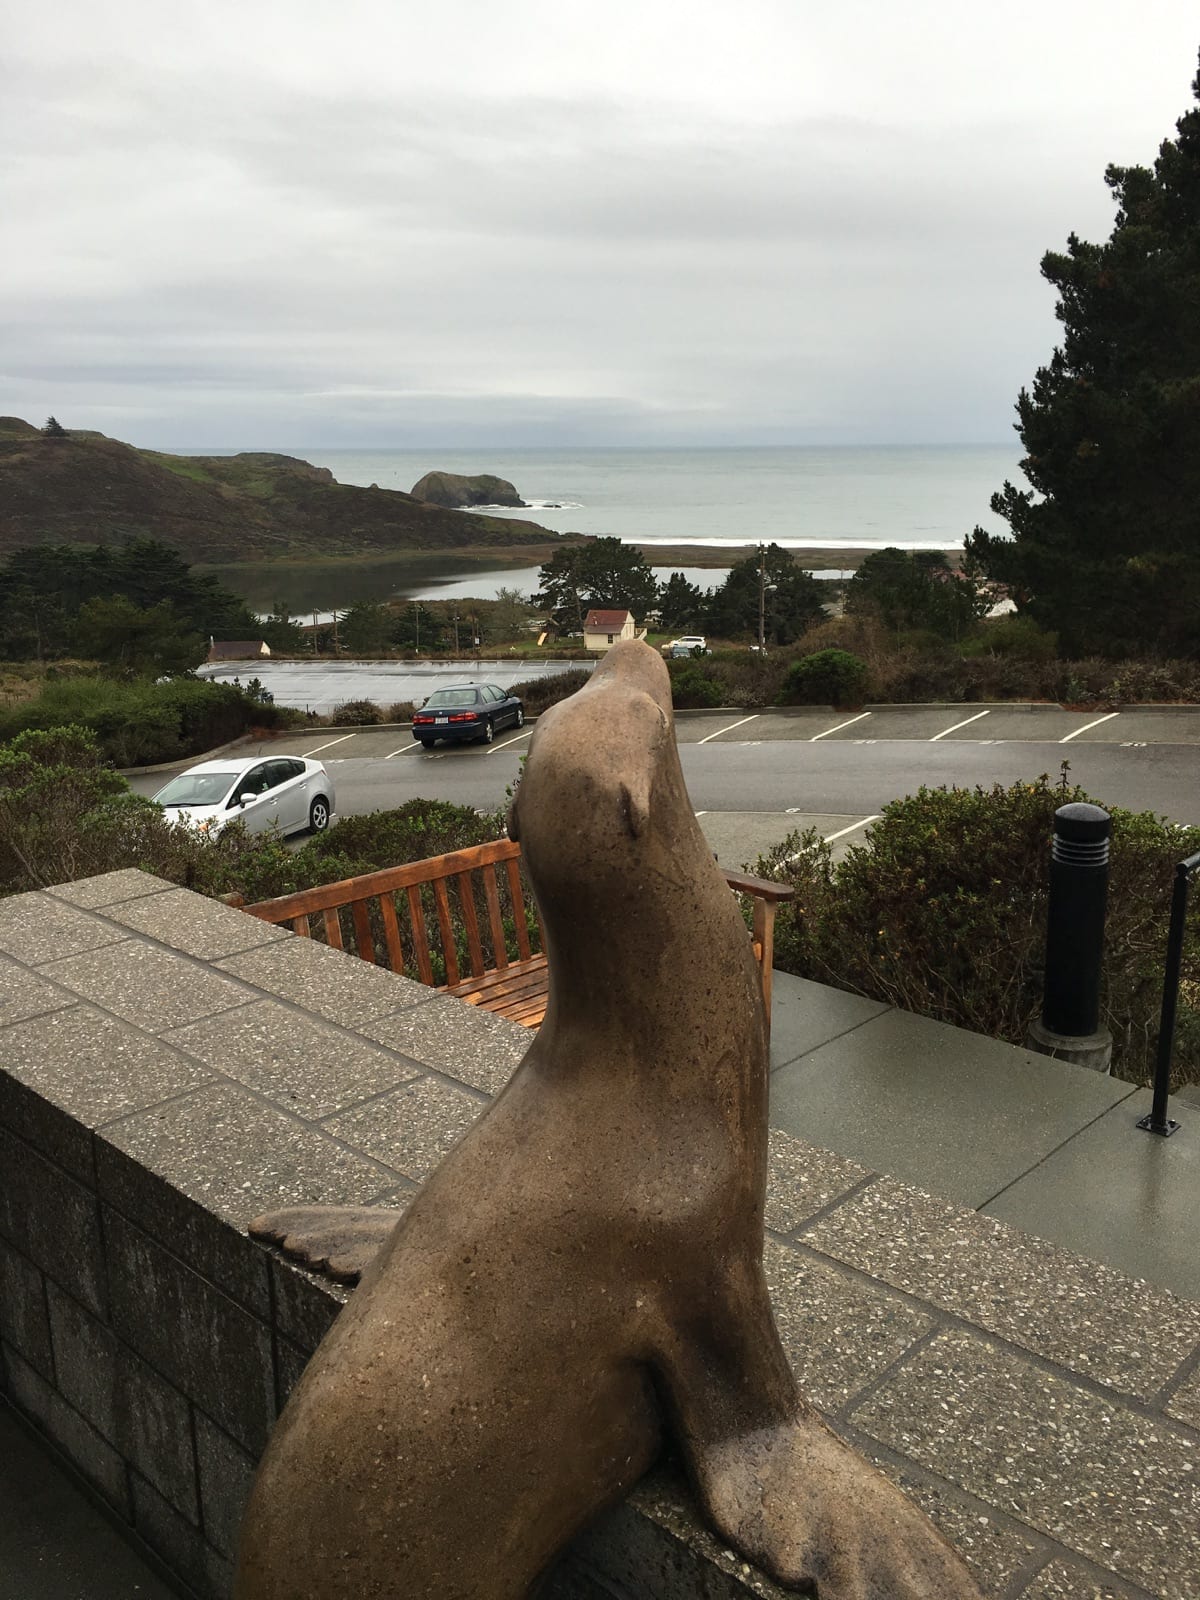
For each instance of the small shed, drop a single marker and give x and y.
(237, 649)
(602, 628)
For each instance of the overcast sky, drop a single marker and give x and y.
(272, 223)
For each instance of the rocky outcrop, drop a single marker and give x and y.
(452, 490)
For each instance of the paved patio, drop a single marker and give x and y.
(983, 1273)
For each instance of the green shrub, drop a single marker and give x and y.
(363, 713)
(537, 694)
(942, 911)
(828, 677)
(136, 722)
(693, 687)
(1011, 636)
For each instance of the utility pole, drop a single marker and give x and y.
(456, 633)
(762, 599)
(314, 633)
(417, 624)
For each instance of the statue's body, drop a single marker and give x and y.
(582, 1274)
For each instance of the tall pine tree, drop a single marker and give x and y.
(1105, 547)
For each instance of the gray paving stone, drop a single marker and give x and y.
(1118, 1488)
(307, 1066)
(88, 1451)
(460, 1040)
(995, 1549)
(337, 986)
(24, 1323)
(150, 987)
(806, 1015)
(225, 1472)
(1185, 1402)
(95, 1067)
(1119, 1195)
(883, 1094)
(410, 1129)
(1063, 1580)
(196, 1337)
(25, 994)
(218, 1250)
(236, 1156)
(190, 922)
(839, 1333)
(36, 928)
(802, 1179)
(110, 888)
(53, 1219)
(1075, 1312)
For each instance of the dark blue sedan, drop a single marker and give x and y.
(466, 711)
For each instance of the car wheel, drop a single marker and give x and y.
(318, 814)
(426, 744)
(520, 722)
(489, 733)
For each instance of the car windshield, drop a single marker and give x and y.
(196, 789)
(451, 699)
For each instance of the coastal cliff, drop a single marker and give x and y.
(85, 488)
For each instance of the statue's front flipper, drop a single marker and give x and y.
(778, 1485)
(339, 1241)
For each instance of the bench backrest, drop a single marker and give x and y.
(442, 919)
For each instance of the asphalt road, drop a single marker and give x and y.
(753, 777)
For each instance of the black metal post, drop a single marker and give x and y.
(1075, 922)
(1157, 1121)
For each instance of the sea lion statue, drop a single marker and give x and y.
(582, 1274)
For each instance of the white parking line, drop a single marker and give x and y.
(958, 725)
(328, 745)
(729, 729)
(1088, 725)
(849, 724)
(842, 832)
(405, 750)
(507, 742)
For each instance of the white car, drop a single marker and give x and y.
(285, 792)
(687, 645)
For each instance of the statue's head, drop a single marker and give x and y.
(600, 765)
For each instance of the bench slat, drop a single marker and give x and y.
(491, 894)
(333, 927)
(449, 950)
(391, 932)
(466, 898)
(513, 868)
(362, 930)
(416, 916)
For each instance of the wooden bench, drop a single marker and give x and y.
(463, 924)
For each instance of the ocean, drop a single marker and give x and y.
(848, 496)
(828, 498)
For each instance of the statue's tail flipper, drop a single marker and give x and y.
(337, 1241)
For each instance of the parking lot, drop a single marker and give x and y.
(966, 724)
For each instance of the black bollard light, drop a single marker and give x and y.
(1070, 1023)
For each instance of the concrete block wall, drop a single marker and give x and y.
(155, 1356)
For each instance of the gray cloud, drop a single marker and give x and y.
(269, 226)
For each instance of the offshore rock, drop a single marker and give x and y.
(454, 492)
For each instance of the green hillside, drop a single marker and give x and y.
(84, 488)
